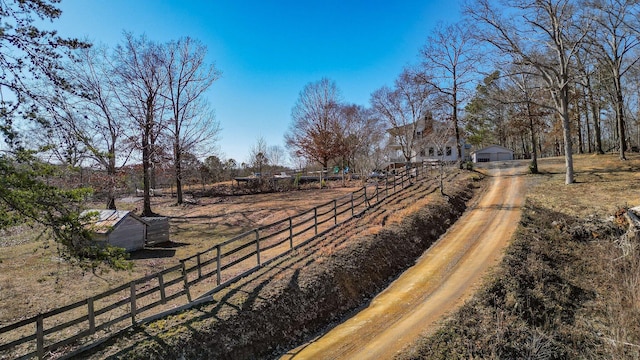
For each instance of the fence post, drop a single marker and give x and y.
(386, 185)
(352, 211)
(290, 233)
(132, 297)
(366, 200)
(218, 275)
(335, 212)
(394, 183)
(40, 336)
(91, 315)
(315, 219)
(199, 269)
(163, 294)
(258, 246)
(186, 281)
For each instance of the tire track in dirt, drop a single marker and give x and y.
(440, 281)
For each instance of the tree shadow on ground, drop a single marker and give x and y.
(163, 250)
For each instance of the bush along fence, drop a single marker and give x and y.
(89, 322)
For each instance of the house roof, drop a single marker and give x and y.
(420, 125)
(490, 147)
(104, 221)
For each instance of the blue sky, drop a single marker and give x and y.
(269, 50)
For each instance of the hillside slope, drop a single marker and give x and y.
(294, 298)
(439, 281)
(569, 284)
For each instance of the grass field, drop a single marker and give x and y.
(34, 279)
(545, 254)
(569, 284)
(603, 184)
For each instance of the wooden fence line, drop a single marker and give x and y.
(255, 248)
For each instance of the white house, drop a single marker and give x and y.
(492, 153)
(424, 145)
(117, 228)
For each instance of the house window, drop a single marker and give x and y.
(439, 152)
(423, 152)
(431, 152)
(448, 150)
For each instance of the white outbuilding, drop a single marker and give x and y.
(117, 228)
(492, 153)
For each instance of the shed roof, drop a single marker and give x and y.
(104, 221)
(492, 147)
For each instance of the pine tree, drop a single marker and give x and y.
(31, 58)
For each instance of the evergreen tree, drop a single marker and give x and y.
(31, 58)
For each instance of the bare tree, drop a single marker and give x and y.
(526, 94)
(141, 79)
(192, 124)
(546, 36)
(405, 109)
(258, 159)
(451, 58)
(315, 127)
(231, 168)
(298, 162)
(276, 155)
(362, 139)
(633, 79)
(587, 69)
(100, 128)
(613, 39)
(88, 123)
(440, 136)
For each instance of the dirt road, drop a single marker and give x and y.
(440, 281)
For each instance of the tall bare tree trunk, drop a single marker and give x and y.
(153, 160)
(534, 153)
(586, 117)
(566, 134)
(620, 119)
(146, 169)
(595, 114)
(178, 169)
(579, 126)
(455, 120)
(111, 176)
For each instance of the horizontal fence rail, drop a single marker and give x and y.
(145, 299)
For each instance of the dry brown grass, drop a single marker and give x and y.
(603, 184)
(34, 279)
(296, 294)
(569, 287)
(401, 214)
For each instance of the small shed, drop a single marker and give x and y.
(492, 153)
(157, 230)
(117, 228)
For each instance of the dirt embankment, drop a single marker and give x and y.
(440, 281)
(549, 299)
(295, 298)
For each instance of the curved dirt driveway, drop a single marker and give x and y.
(440, 281)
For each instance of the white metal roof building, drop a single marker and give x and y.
(492, 153)
(118, 228)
